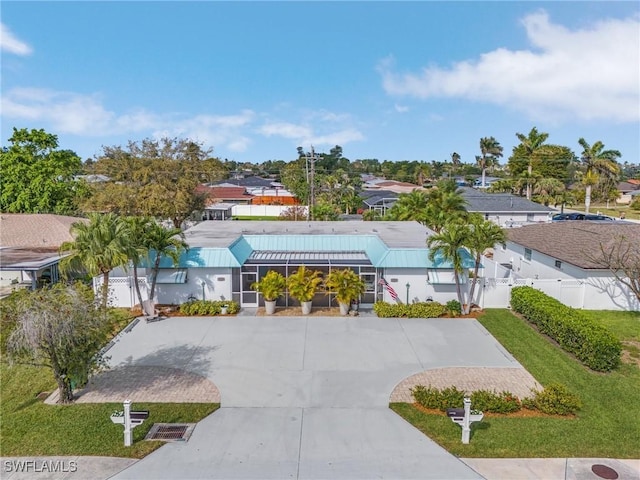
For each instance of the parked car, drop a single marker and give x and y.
(580, 216)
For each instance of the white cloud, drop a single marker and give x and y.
(285, 129)
(401, 108)
(85, 115)
(584, 74)
(9, 43)
(341, 137)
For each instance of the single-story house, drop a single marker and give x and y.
(560, 255)
(223, 263)
(378, 200)
(505, 209)
(627, 190)
(29, 245)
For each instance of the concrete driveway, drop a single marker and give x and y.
(306, 397)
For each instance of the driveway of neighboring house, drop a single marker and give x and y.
(305, 397)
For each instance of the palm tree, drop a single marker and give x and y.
(546, 190)
(455, 160)
(409, 206)
(531, 144)
(597, 161)
(98, 248)
(491, 150)
(445, 202)
(483, 234)
(136, 247)
(448, 246)
(164, 242)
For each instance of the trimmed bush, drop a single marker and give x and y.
(555, 399)
(592, 344)
(413, 310)
(454, 308)
(503, 402)
(431, 397)
(207, 307)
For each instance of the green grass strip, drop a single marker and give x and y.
(607, 426)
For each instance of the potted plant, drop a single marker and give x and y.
(302, 286)
(271, 286)
(347, 287)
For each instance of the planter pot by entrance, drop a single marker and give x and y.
(306, 307)
(270, 307)
(224, 310)
(344, 309)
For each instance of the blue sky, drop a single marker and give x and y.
(386, 80)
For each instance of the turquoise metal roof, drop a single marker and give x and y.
(378, 253)
(202, 258)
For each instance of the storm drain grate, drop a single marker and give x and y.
(170, 432)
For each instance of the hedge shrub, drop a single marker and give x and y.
(207, 307)
(555, 399)
(413, 310)
(594, 345)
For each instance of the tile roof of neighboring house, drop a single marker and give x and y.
(568, 241)
(42, 230)
(216, 193)
(628, 186)
(634, 181)
(478, 201)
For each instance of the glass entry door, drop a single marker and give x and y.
(248, 297)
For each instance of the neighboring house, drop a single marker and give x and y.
(390, 185)
(378, 200)
(627, 191)
(505, 209)
(29, 245)
(555, 257)
(223, 263)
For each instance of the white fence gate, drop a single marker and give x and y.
(121, 290)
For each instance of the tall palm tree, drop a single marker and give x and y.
(136, 247)
(483, 234)
(597, 161)
(456, 160)
(164, 242)
(531, 144)
(98, 248)
(448, 246)
(490, 150)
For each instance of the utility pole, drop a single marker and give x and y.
(311, 162)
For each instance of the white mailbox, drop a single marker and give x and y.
(129, 419)
(464, 418)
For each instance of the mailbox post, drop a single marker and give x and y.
(464, 418)
(129, 420)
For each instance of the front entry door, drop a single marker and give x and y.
(248, 297)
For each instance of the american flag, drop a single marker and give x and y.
(389, 289)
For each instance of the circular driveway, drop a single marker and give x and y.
(306, 397)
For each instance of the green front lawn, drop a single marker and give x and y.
(30, 427)
(607, 426)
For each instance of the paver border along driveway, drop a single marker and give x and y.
(306, 397)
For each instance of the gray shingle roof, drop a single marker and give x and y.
(482, 202)
(568, 241)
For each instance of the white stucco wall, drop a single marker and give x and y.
(592, 289)
(419, 288)
(217, 286)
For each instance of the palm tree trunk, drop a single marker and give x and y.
(459, 292)
(135, 281)
(476, 268)
(530, 170)
(156, 267)
(587, 199)
(483, 175)
(105, 289)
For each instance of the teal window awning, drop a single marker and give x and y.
(171, 275)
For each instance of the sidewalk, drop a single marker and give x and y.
(103, 468)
